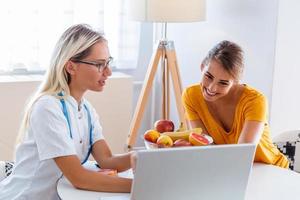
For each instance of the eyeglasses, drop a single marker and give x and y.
(101, 65)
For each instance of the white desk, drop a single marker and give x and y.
(274, 183)
(266, 182)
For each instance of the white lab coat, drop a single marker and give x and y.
(36, 174)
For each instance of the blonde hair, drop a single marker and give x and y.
(75, 43)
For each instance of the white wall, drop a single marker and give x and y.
(114, 106)
(286, 86)
(250, 23)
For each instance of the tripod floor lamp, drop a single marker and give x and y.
(162, 11)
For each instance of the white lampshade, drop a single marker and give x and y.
(167, 10)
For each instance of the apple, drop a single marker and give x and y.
(164, 125)
(181, 143)
(198, 139)
(151, 135)
(164, 141)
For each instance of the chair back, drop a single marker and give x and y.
(288, 142)
(5, 169)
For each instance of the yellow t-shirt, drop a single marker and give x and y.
(252, 106)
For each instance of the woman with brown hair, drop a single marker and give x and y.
(228, 111)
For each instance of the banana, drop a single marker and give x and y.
(178, 135)
(182, 134)
(197, 130)
(181, 128)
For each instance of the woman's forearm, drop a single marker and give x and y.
(94, 181)
(119, 162)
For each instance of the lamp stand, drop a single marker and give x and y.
(166, 52)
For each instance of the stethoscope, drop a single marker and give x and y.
(66, 114)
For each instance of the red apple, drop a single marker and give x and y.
(164, 125)
(151, 136)
(181, 143)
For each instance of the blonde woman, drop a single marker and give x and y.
(229, 111)
(61, 128)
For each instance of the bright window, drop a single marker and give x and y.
(30, 29)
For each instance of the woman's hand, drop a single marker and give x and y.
(111, 172)
(102, 154)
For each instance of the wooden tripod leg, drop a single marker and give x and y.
(178, 94)
(164, 86)
(141, 104)
(167, 88)
(173, 67)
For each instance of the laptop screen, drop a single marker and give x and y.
(208, 172)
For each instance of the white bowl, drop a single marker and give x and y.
(151, 145)
(210, 139)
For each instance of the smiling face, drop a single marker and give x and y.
(87, 76)
(216, 81)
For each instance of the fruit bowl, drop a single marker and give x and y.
(151, 145)
(210, 139)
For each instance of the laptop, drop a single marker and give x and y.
(211, 172)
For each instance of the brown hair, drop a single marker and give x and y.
(230, 55)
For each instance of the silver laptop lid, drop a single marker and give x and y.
(209, 172)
